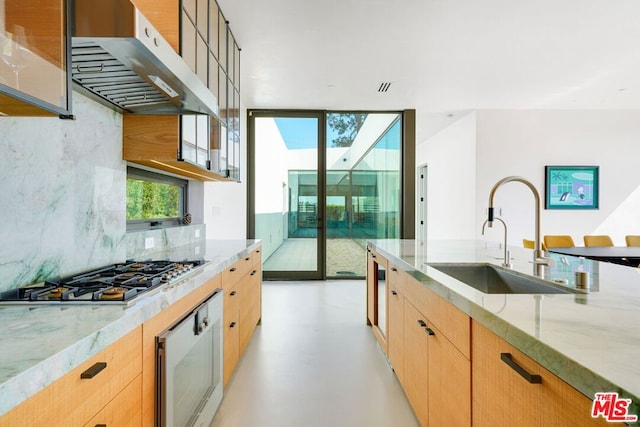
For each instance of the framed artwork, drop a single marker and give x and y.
(571, 187)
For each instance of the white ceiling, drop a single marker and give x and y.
(442, 57)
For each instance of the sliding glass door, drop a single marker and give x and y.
(288, 193)
(320, 184)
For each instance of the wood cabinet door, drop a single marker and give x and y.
(501, 396)
(449, 383)
(231, 330)
(371, 283)
(250, 307)
(395, 335)
(564, 405)
(416, 354)
(123, 410)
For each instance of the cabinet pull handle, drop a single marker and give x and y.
(394, 269)
(232, 269)
(394, 293)
(373, 256)
(93, 371)
(232, 293)
(258, 251)
(232, 324)
(247, 259)
(429, 331)
(254, 272)
(532, 378)
(421, 323)
(95, 69)
(101, 425)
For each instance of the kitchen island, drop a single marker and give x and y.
(39, 344)
(590, 340)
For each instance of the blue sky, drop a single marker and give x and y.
(302, 132)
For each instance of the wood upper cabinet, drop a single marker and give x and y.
(156, 141)
(109, 378)
(164, 16)
(206, 148)
(502, 396)
(33, 49)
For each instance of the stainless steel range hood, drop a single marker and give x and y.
(123, 61)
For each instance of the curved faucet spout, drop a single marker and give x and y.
(507, 257)
(536, 195)
(538, 259)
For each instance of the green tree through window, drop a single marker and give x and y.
(152, 200)
(346, 126)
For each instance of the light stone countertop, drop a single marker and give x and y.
(590, 340)
(39, 344)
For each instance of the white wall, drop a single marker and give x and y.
(523, 142)
(225, 203)
(451, 196)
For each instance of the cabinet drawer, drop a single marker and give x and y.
(250, 307)
(73, 400)
(123, 410)
(454, 323)
(233, 274)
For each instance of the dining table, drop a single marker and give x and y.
(624, 255)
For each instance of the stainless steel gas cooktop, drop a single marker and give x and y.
(114, 284)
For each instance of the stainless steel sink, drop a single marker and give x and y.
(491, 279)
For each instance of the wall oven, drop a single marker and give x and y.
(189, 361)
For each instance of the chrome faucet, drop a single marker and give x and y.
(507, 255)
(539, 261)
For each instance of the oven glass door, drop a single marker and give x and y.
(190, 367)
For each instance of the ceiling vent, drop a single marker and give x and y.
(384, 86)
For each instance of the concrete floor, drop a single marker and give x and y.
(314, 363)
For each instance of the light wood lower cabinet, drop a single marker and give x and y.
(377, 309)
(120, 412)
(437, 376)
(242, 283)
(502, 396)
(396, 340)
(434, 370)
(89, 391)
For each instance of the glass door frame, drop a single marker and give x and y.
(320, 272)
(407, 182)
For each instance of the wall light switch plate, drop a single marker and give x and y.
(197, 233)
(149, 243)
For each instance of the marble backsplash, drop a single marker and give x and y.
(190, 239)
(63, 197)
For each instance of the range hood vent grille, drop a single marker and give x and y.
(102, 74)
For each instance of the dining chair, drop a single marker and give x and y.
(529, 244)
(632, 240)
(598, 241)
(558, 241)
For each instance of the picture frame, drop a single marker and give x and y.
(572, 187)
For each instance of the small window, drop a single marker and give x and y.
(154, 200)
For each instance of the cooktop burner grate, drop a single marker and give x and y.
(114, 284)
